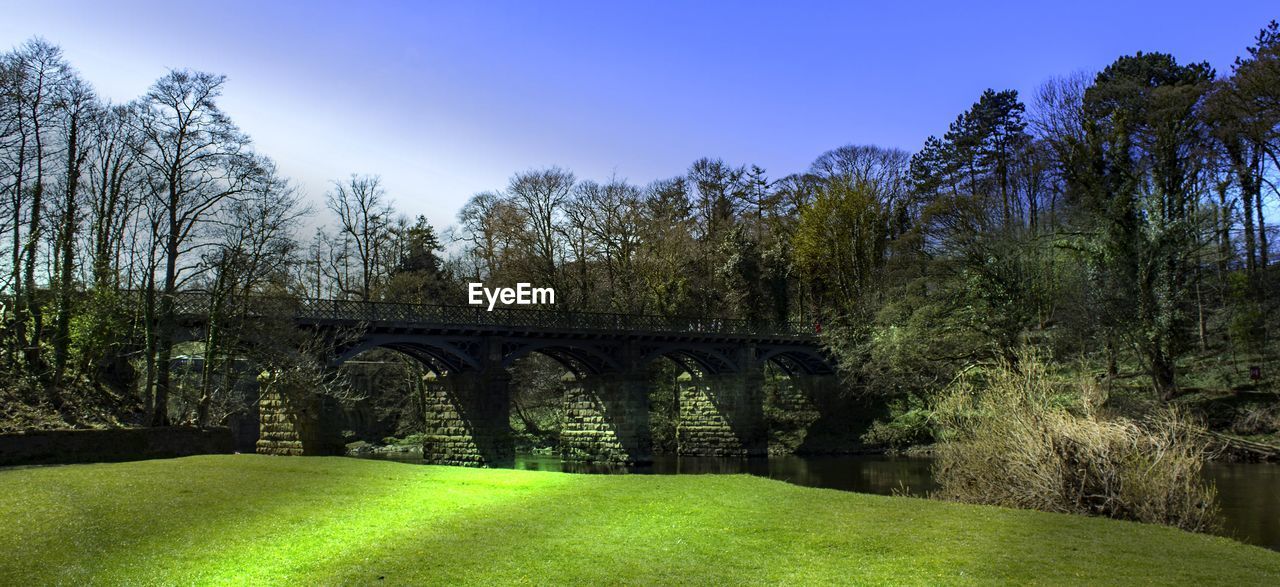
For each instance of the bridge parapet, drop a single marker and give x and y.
(191, 306)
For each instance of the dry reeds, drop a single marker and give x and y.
(1012, 437)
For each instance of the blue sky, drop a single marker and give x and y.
(444, 100)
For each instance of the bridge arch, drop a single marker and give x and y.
(580, 359)
(705, 359)
(437, 353)
(796, 361)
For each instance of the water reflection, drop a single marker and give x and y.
(1249, 493)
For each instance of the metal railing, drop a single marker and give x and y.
(195, 304)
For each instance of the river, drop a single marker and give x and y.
(1248, 493)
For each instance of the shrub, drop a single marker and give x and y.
(912, 427)
(1255, 419)
(1009, 439)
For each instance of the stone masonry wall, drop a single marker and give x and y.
(467, 420)
(111, 445)
(722, 415)
(789, 412)
(607, 420)
(295, 426)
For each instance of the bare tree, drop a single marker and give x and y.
(539, 197)
(37, 74)
(254, 246)
(365, 221)
(80, 107)
(115, 185)
(1057, 121)
(607, 221)
(113, 193)
(196, 159)
(487, 230)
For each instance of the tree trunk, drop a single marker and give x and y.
(32, 351)
(1162, 375)
(19, 311)
(32, 354)
(149, 319)
(166, 318)
(1244, 175)
(1202, 319)
(1262, 233)
(212, 342)
(1113, 368)
(62, 327)
(1223, 216)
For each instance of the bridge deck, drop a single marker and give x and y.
(475, 318)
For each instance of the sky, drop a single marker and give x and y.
(444, 100)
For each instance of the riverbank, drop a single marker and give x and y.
(1246, 491)
(252, 519)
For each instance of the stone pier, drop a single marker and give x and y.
(467, 419)
(606, 419)
(295, 423)
(722, 415)
(839, 420)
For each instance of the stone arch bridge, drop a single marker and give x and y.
(467, 350)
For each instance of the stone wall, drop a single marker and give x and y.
(467, 420)
(789, 413)
(606, 419)
(111, 445)
(296, 426)
(722, 415)
(842, 418)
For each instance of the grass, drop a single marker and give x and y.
(248, 519)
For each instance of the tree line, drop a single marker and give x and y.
(1116, 218)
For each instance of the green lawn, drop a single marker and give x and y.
(273, 520)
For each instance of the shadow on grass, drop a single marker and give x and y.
(89, 519)
(216, 520)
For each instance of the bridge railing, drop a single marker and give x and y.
(194, 304)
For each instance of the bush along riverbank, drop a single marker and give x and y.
(1239, 423)
(1010, 436)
